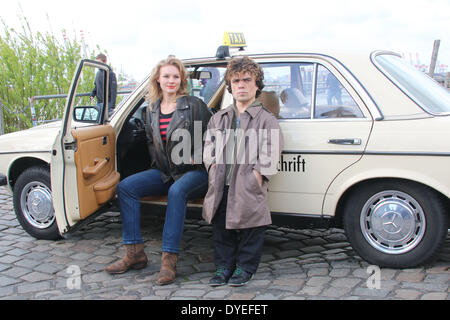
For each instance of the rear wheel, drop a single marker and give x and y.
(33, 204)
(395, 224)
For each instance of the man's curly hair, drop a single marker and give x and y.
(245, 64)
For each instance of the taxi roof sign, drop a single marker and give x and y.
(234, 39)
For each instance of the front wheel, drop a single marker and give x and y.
(33, 204)
(395, 224)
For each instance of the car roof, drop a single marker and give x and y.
(337, 54)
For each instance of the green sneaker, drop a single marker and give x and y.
(221, 277)
(239, 277)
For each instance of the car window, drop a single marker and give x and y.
(289, 90)
(87, 109)
(332, 99)
(426, 92)
(291, 85)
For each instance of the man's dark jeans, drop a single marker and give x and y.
(240, 247)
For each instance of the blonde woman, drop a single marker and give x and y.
(172, 113)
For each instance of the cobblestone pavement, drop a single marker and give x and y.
(296, 264)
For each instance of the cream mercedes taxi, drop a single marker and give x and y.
(367, 149)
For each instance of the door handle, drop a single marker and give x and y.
(90, 171)
(354, 141)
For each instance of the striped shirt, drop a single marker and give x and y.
(164, 120)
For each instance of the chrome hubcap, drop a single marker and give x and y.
(37, 205)
(392, 222)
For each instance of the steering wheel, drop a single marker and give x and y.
(139, 124)
(138, 129)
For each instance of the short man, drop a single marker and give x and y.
(99, 87)
(241, 153)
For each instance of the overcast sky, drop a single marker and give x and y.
(139, 33)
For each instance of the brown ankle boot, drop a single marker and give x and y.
(135, 258)
(168, 268)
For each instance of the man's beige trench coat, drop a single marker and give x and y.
(261, 142)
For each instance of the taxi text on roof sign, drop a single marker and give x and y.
(234, 39)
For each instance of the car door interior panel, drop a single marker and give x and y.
(95, 162)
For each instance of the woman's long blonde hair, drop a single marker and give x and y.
(154, 89)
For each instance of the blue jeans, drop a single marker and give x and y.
(192, 185)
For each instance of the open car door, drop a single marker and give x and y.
(83, 166)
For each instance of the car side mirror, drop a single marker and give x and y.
(86, 114)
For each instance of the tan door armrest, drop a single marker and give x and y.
(98, 165)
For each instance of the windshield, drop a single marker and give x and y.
(426, 92)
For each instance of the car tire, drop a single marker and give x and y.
(395, 224)
(33, 204)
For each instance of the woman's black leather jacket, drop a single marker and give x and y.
(184, 134)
